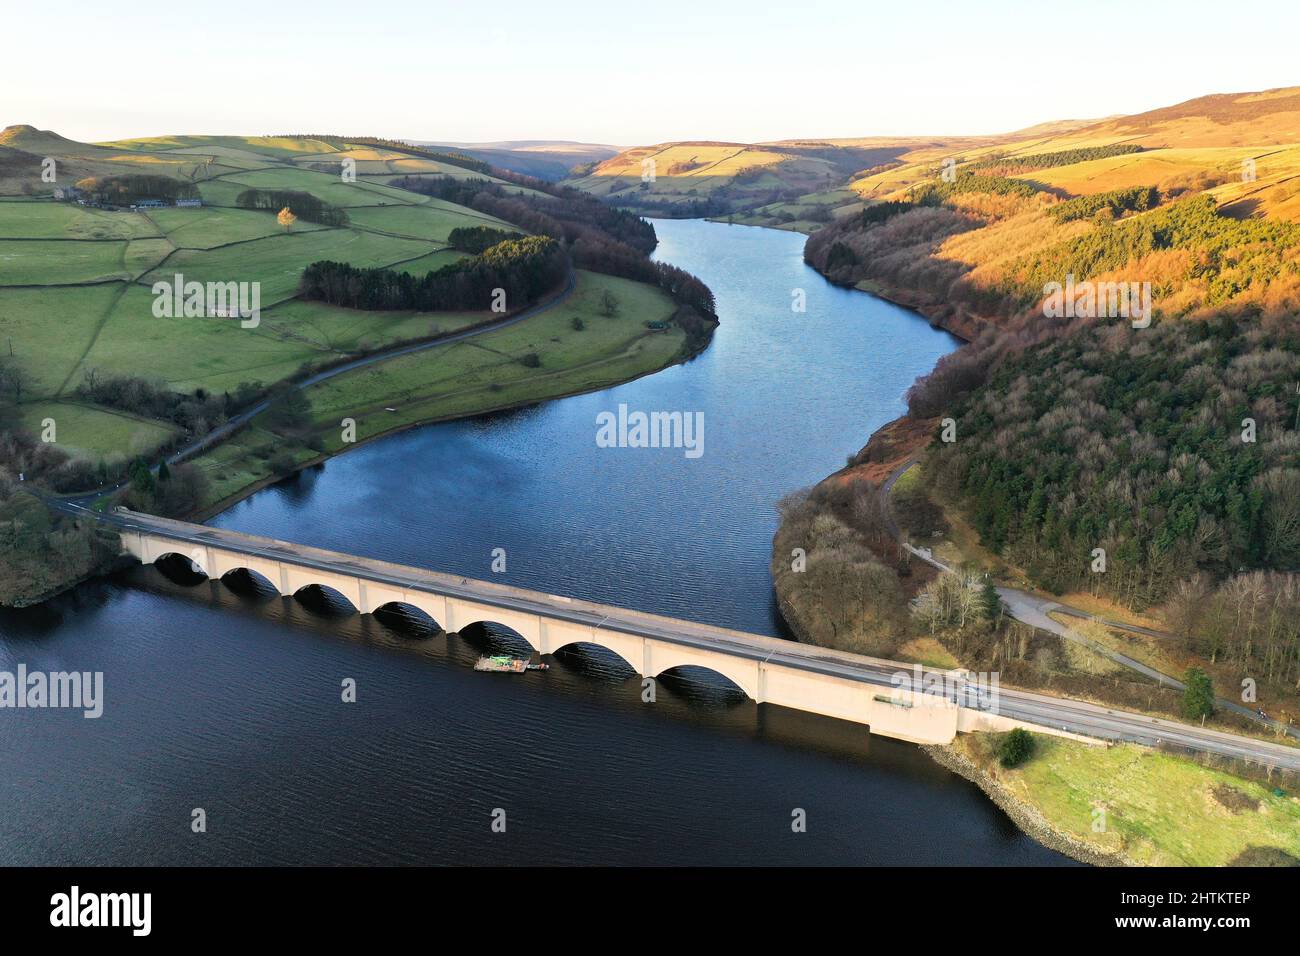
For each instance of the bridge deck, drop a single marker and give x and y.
(1053, 714)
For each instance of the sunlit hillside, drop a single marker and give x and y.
(708, 178)
(82, 249)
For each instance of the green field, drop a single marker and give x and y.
(50, 220)
(432, 262)
(187, 353)
(493, 358)
(1156, 809)
(433, 221)
(76, 299)
(53, 262)
(213, 226)
(330, 188)
(277, 261)
(50, 329)
(333, 329)
(84, 431)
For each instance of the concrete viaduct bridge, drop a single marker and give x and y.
(892, 699)
(835, 684)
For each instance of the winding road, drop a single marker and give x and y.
(1036, 611)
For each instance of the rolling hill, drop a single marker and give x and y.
(86, 350)
(1166, 444)
(717, 178)
(544, 158)
(794, 184)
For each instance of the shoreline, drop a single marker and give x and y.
(204, 514)
(224, 504)
(1024, 815)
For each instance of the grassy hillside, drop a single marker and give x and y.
(578, 348)
(708, 178)
(545, 159)
(1169, 447)
(1145, 807)
(77, 300)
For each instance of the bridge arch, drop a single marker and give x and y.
(248, 582)
(322, 599)
(179, 563)
(406, 617)
(701, 675)
(497, 636)
(604, 658)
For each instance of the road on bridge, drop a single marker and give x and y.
(1061, 713)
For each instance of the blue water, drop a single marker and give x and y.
(230, 701)
(786, 397)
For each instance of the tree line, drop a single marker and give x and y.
(1065, 157)
(1251, 620)
(563, 213)
(1116, 203)
(304, 205)
(936, 193)
(476, 239)
(598, 237)
(196, 412)
(124, 190)
(524, 268)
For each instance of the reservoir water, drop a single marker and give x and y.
(229, 701)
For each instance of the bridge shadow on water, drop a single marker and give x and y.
(686, 695)
(585, 669)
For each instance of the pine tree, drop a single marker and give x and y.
(991, 601)
(1198, 697)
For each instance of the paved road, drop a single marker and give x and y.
(1074, 716)
(232, 425)
(1036, 611)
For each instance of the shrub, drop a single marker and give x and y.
(1015, 748)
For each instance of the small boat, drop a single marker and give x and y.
(504, 664)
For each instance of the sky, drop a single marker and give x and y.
(623, 73)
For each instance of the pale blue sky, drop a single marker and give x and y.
(622, 72)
